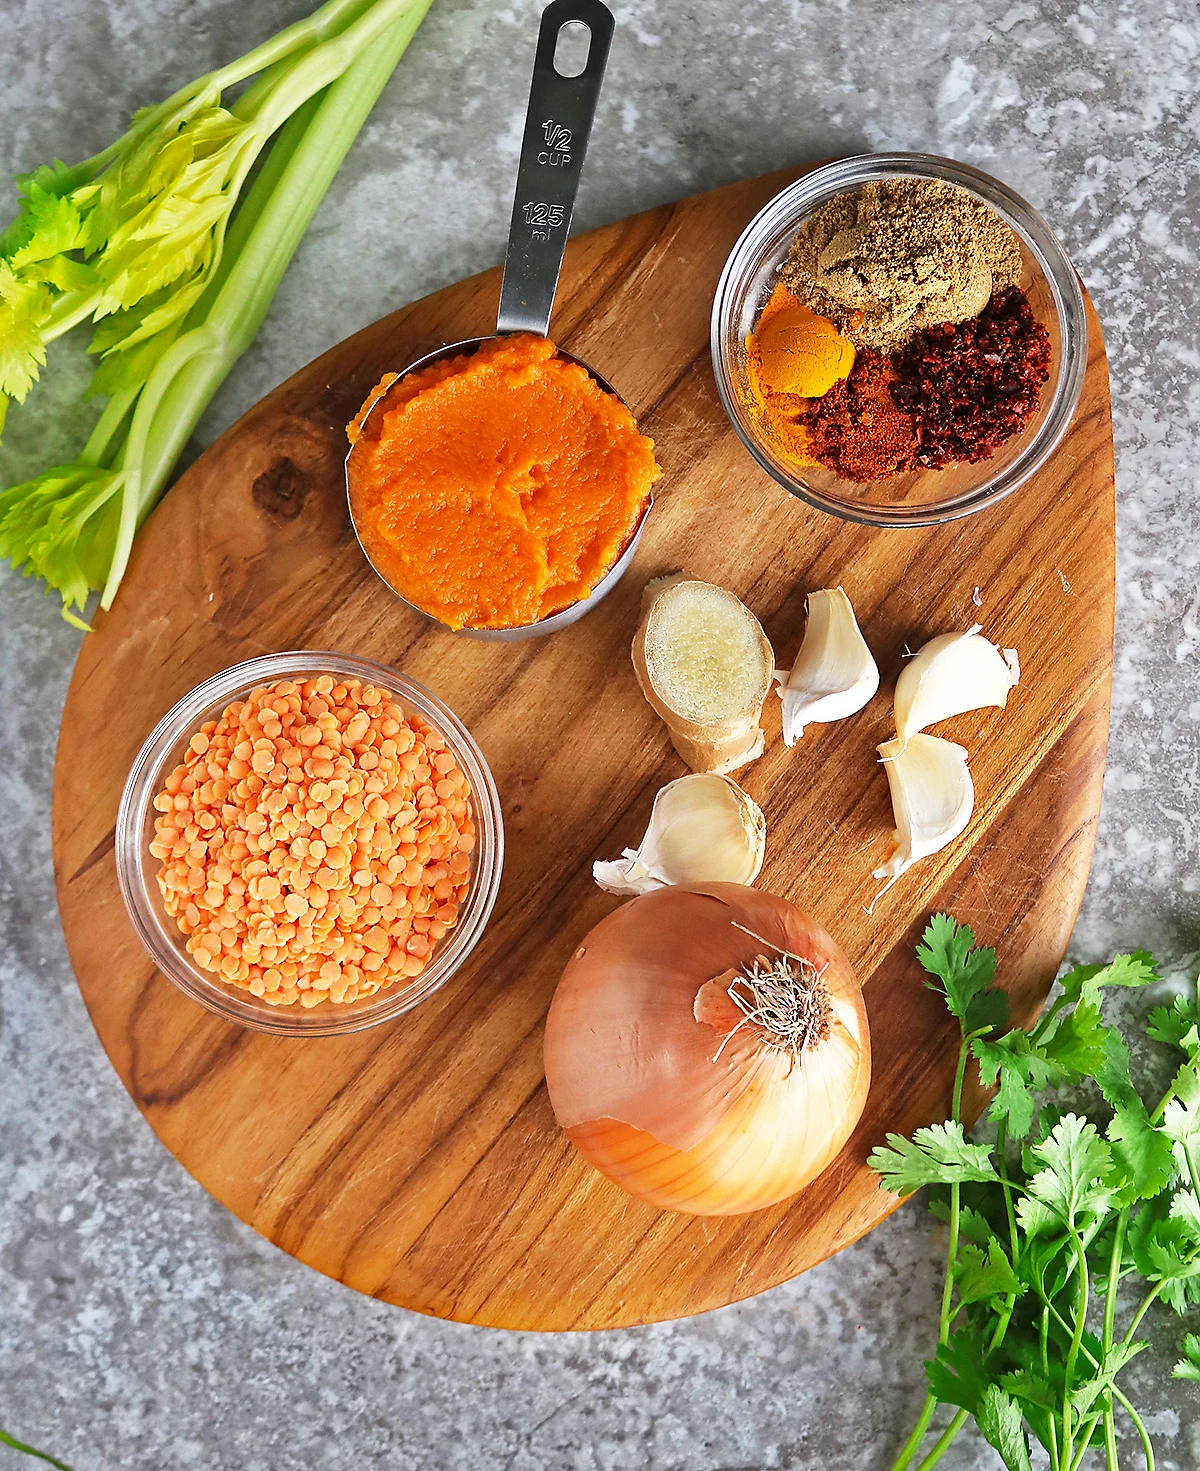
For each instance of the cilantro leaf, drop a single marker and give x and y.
(972, 1225)
(1185, 1208)
(1086, 981)
(1075, 1165)
(980, 1277)
(1046, 1262)
(958, 1374)
(966, 971)
(937, 1154)
(1176, 1269)
(1164, 1251)
(1037, 1219)
(1074, 1043)
(1142, 1152)
(1002, 1425)
(1181, 1118)
(1021, 1068)
(1024, 1384)
(1073, 1192)
(1172, 1024)
(1070, 1048)
(1085, 1394)
(1188, 1367)
(1047, 1121)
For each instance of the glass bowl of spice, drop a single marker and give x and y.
(899, 339)
(309, 844)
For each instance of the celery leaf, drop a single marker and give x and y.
(53, 224)
(48, 527)
(24, 308)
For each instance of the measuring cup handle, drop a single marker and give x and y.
(557, 127)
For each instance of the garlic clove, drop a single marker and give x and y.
(932, 800)
(625, 875)
(703, 829)
(834, 674)
(950, 675)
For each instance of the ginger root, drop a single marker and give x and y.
(705, 666)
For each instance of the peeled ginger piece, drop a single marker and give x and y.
(705, 666)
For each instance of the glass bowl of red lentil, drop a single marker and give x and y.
(138, 867)
(920, 497)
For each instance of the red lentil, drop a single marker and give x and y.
(306, 877)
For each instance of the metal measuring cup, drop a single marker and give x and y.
(557, 126)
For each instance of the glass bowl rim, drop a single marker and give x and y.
(783, 212)
(149, 768)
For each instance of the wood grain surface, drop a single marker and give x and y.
(420, 1161)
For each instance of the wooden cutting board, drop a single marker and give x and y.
(420, 1161)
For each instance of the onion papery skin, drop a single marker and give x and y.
(750, 1128)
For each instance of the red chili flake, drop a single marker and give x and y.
(970, 386)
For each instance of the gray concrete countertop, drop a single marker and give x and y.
(141, 1325)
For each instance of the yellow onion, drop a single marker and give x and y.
(707, 1049)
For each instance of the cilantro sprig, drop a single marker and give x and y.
(28, 1450)
(1054, 1222)
(171, 243)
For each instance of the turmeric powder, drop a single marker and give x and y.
(793, 356)
(784, 419)
(793, 350)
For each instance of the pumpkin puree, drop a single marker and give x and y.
(498, 488)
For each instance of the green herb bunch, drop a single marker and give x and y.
(171, 242)
(1062, 1233)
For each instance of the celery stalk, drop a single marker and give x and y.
(264, 107)
(320, 26)
(208, 352)
(177, 279)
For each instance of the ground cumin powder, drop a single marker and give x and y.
(900, 255)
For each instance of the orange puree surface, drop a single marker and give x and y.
(495, 489)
